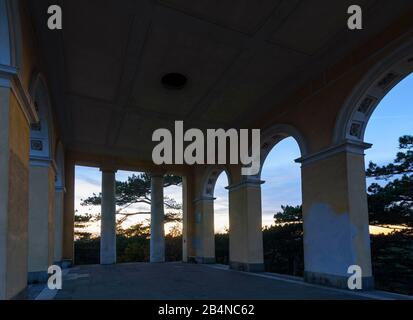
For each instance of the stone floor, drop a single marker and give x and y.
(178, 281)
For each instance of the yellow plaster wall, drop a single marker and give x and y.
(335, 215)
(17, 232)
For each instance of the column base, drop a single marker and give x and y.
(247, 267)
(205, 260)
(191, 260)
(336, 281)
(23, 295)
(157, 261)
(37, 277)
(66, 264)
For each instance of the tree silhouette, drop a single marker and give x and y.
(393, 202)
(137, 189)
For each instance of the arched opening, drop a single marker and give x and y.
(389, 166)
(379, 112)
(282, 209)
(212, 218)
(10, 35)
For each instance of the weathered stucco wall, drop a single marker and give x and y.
(336, 233)
(14, 150)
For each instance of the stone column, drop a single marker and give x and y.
(108, 218)
(41, 219)
(69, 213)
(157, 244)
(336, 224)
(58, 229)
(188, 224)
(205, 231)
(245, 227)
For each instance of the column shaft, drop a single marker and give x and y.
(336, 226)
(157, 243)
(41, 220)
(108, 219)
(58, 229)
(69, 213)
(205, 231)
(14, 189)
(245, 227)
(188, 227)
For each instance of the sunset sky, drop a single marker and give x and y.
(392, 119)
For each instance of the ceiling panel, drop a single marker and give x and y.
(130, 132)
(309, 28)
(90, 123)
(242, 15)
(94, 48)
(175, 48)
(262, 73)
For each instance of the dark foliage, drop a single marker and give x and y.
(393, 203)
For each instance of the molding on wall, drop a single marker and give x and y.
(349, 146)
(249, 182)
(10, 78)
(43, 162)
(368, 93)
(206, 199)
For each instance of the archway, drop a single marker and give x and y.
(355, 114)
(282, 209)
(375, 116)
(388, 184)
(10, 35)
(212, 218)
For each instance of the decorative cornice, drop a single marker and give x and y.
(349, 146)
(204, 199)
(43, 162)
(157, 175)
(253, 183)
(9, 77)
(60, 189)
(108, 169)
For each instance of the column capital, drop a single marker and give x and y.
(248, 182)
(157, 174)
(9, 78)
(60, 189)
(108, 169)
(204, 199)
(348, 146)
(43, 162)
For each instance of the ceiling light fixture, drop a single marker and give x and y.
(174, 81)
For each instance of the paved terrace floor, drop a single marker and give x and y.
(179, 281)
